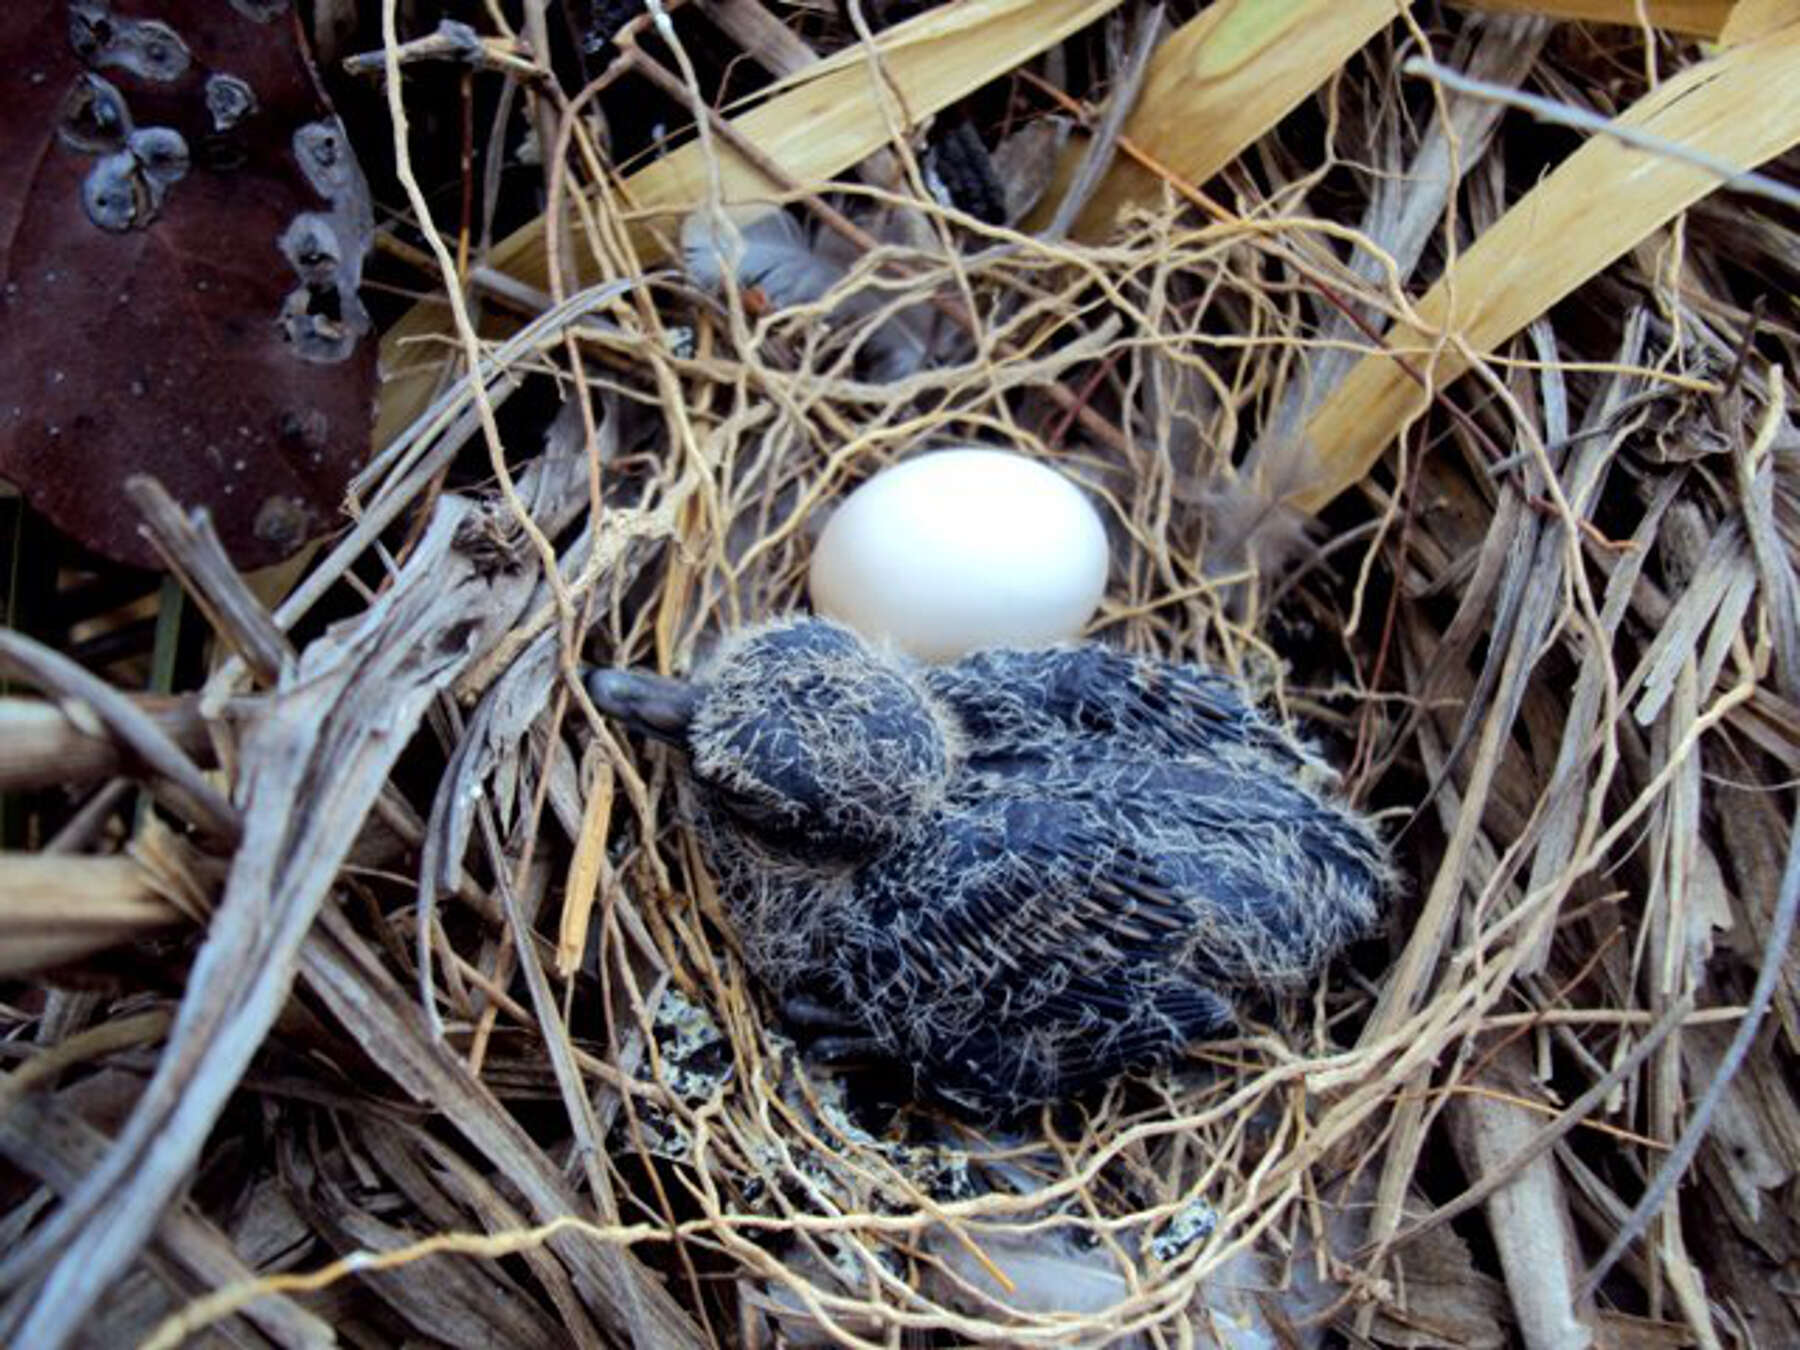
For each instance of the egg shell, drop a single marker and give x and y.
(962, 549)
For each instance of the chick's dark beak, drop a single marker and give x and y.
(653, 704)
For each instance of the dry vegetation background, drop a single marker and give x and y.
(361, 982)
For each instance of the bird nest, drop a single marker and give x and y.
(1462, 443)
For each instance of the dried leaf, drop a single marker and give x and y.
(1222, 80)
(182, 227)
(1703, 18)
(1739, 106)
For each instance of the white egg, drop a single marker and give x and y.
(962, 549)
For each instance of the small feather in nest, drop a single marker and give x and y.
(1047, 1271)
(1251, 522)
(770, 252)
(762, 249)
(1026, 163)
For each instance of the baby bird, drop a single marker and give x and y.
(1019, 875)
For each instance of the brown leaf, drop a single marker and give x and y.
(182, 227)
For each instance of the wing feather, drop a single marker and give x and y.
(1240, 879)
(1026, 703)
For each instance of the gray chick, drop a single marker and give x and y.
(1019, 875)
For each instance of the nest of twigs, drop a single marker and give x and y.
(400, 1003)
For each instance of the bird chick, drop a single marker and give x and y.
(1019, 875)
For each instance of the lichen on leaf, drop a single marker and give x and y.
(156, 169)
